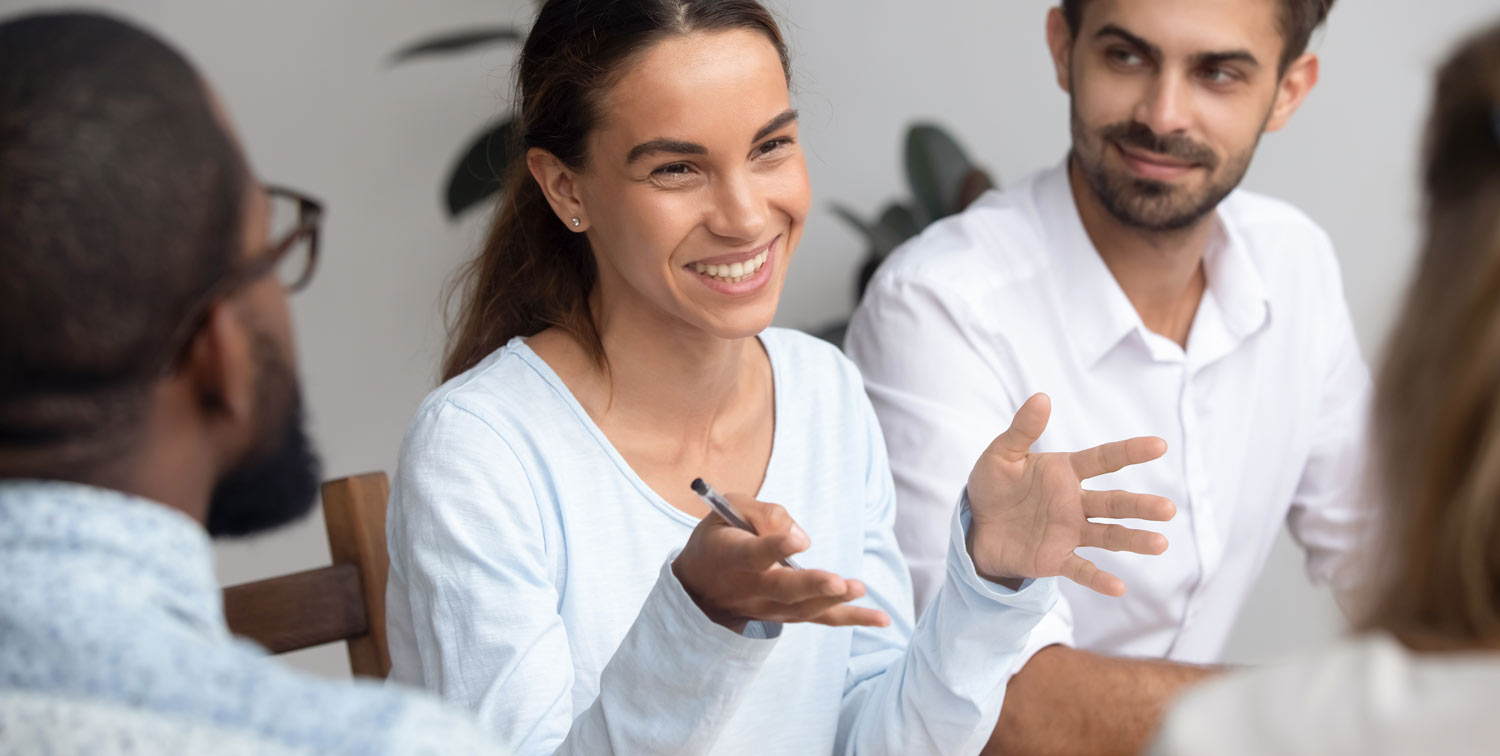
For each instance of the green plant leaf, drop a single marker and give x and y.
(936, 166)
(881, 238)
(459, 41)
(901, 221)
(480, 173)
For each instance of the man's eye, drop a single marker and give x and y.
(1124, 57)
(1218, 75)
(675, 169)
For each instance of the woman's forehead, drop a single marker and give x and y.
(695, 87)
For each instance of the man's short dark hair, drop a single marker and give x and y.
(120, 205)
(1299, 19)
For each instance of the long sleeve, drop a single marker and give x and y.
(1331, 514)
(474, 612)
(941, 692)
(940, 403)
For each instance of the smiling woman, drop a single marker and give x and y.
(552, 568)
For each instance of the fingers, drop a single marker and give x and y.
(1123, 505)
(852, 616)
(784, 586)
(1029, 423)
(822, 605)
(1121, 538)
(778, 535)
(1084, 573)
(1107, 458)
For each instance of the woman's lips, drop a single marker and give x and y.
(745, 273)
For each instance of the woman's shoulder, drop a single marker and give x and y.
(1366, 694)
(504, 392)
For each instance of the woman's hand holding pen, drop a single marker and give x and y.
(1030, 511)
(734, 576)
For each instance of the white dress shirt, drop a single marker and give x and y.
(1263, 413)
(531, 582)
(1367, 696)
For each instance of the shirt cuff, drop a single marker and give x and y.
(1034, 595)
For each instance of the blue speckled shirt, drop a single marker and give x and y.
(112, 640)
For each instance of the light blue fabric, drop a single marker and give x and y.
(530, 582)
(112, 640)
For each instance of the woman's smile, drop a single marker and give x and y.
(737, 274)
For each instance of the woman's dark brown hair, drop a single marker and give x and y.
(533, 272)
(1438, 405)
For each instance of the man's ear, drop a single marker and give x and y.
(1060, 43)
(220, 366)
(1298, 81)
(560, 185)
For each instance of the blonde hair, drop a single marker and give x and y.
(1437, 408)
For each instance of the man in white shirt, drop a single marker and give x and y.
(1146, 295)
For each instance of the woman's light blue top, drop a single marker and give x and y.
(530, 581)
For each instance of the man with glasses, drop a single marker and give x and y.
(148, 401)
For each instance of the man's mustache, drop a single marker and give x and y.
(1139, 135)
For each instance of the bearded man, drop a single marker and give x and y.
(1148, 295)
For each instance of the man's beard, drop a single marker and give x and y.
(1144, 203)
(278, 482)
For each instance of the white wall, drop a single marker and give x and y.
(319, 108)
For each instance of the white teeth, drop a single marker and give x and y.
(733, 272)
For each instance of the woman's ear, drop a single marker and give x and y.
(560, 185)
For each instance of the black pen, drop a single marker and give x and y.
(724, 509)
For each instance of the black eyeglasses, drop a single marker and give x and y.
(294, 223)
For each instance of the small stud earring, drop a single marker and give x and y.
(577, 223)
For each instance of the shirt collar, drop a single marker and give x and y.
(157, 549)
(1234, 280)
(1100, 314)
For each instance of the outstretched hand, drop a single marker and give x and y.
(1030, 511)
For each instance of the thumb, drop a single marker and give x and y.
(1030, 421)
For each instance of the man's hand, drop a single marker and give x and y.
(1030, 511)
(734, 575)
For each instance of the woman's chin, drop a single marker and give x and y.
(739, 322)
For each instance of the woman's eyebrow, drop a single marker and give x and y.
(775, 124)
(660, 145)
(680, 147)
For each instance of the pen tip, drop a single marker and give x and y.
(699, 487)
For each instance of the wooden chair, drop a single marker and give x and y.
(341, 602)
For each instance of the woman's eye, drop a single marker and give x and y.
(773, 146)
(674, 170)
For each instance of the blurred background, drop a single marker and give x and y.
(321, 105)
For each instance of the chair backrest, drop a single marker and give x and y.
(344, 601)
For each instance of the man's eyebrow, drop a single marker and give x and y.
(1227, 56)
(1111, 30)
(775, 125)
(655, 146)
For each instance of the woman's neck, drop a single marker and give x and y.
(659, 372)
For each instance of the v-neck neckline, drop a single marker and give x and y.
(646, 491)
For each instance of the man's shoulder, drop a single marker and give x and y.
(182, 690)
(1272, 226)
(996, 244)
